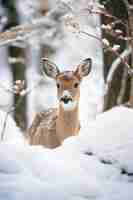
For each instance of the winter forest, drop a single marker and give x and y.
(66, 99)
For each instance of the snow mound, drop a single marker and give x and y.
(89, 166)
(110, 137)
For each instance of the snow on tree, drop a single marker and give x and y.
(6, 98)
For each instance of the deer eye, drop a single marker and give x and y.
(76, 85)
(58, 85)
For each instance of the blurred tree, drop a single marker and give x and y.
(27, 11)
(18, 69)
(6, 98)
(120, 86)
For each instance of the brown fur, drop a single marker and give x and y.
(50, 128)
(67, 123)
(43, 129)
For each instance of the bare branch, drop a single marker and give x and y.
(102, 11)
(115, 64)
(6, 89)
(91, 35)
(123, 87)
(4, 126)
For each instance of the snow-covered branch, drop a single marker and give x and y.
(18, 89)
(115, 65)
(23, 32)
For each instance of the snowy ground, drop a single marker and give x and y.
(98, 164)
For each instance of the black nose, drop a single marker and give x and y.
(66, 99)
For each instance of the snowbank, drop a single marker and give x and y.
(95, 165)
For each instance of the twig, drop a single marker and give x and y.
(9, 90)
(13, 108)
(120, 57)
(4, 127)
(104, 12)
(91, 35)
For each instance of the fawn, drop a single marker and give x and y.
(51, 127)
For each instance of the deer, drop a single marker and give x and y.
(51, 127)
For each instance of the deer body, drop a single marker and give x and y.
(51, 127)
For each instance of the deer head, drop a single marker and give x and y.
(68, 82)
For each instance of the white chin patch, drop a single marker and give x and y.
(71, 105)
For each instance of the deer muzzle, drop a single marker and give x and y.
(66, 97)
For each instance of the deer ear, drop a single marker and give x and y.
(50, 68)
(84, 68)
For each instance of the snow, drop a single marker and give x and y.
(111, 137)
(97, 164)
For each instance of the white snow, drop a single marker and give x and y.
(85, 167)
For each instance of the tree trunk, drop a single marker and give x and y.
(130, 17)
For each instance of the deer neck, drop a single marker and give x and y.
(67, 123)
